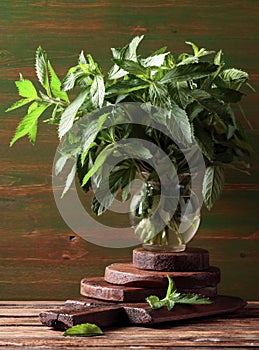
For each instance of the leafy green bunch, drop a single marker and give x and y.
(196, 88)
(173, 297)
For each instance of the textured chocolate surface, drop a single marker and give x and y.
(192, 259)
(97, 287)
(103, 315)
(127, 274)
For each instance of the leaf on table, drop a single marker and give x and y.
(173, 297)
(83, 330)
(194, 299)
(155, 302)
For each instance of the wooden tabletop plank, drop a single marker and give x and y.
(240, 329)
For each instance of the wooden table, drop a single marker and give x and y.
(20, 327)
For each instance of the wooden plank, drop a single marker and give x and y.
(17, 321)
(238, 330)
(182, 336)
(29, 304)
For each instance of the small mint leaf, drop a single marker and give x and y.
(68, 116)
(83, 330)
(55, 84)
(170, 304)
(26, 89)
(41, 67)
(27, 124)
(194, 299)
(154, 302)
(173, 297)
(171, 289)
(19, 104)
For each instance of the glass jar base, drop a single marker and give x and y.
(164, 248)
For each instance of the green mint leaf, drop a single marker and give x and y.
(33, 132)
(189, 72)
(60, 163)
(126, 180)
(170, 304)
(91, 127)
(199, 52)
(69, 180)
(173, 297)
(226, 95)
(194, 47)
(171, 289)
(194, 299)
(128, 52)
(179, 126)
(81, 58)
(19, 104)
(41, 67)
(135, 149)
(131, 67)
(97, 91)
(26, 89)
(83, 330)
(218, 59)
(212, 185)
(126, 86)
(27, 125)
(131, 52)
(213, 105)
(233, 77)
(120, 177)
(202, 137)
(55, 84)
(73, 76)
(179, 94)
(155, 302)
(68, 116)
(154, 60)
(98, 163)
(93, 66)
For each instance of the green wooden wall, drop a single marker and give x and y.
(39, 256)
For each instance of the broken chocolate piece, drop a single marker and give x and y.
(101, 315)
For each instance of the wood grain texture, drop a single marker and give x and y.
(40, 257)
(237, 330)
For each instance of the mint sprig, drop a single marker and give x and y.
(83, 330)
(173, 297)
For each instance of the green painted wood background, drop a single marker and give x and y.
(39, 256)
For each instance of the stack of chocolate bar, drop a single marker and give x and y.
(147, 275)
(118, 298)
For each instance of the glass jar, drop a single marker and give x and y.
(165, 222)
